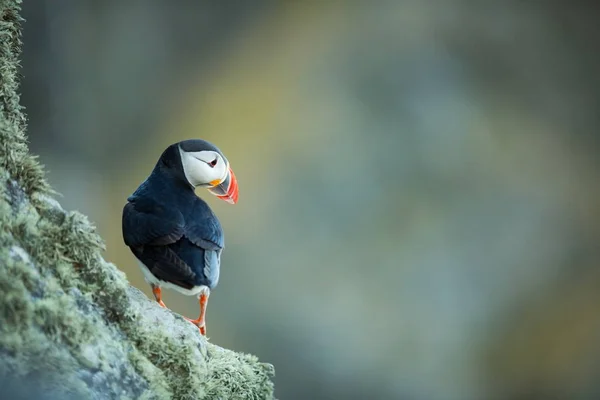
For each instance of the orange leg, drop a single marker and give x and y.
(200, 322)
(158, 295)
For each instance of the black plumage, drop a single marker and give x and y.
(173, 232)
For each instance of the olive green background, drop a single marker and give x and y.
(419, 206)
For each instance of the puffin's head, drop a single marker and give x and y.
(205, 166)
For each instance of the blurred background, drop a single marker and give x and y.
(419, 204)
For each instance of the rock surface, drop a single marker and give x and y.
(71, 327)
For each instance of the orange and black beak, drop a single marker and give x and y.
(227, 189)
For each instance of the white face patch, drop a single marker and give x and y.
(203, 167)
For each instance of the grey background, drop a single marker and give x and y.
(419, 203)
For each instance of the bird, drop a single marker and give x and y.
(174, 235)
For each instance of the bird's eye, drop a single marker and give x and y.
(213, 163)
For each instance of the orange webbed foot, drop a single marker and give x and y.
(157, 292)
(200, 322)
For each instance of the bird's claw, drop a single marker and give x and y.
(199, 323)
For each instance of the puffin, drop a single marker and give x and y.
(174, 235)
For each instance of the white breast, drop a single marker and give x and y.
(195, 291)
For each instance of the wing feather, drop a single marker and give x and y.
(166, 265)
(147, 223)
(186, 253)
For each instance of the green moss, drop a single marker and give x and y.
(14, 155)
(237, 380)
(68, 319)
(33, 330)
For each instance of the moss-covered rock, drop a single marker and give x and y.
(71, 327)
